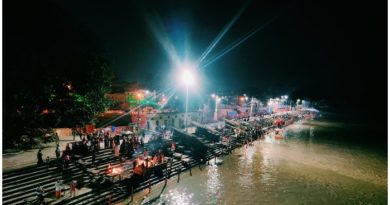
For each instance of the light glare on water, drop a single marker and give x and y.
(298, 169)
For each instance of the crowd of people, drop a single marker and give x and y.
(125, 146)
(254, 127)
(129, 145)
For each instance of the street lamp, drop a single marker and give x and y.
(188, 80)
(139, 107)
(251, 110)
(298, 102)
(217, 100)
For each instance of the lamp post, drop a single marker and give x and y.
(188, 80)
(217, 100)
(251, 110)
(185, 116)
(139, 107)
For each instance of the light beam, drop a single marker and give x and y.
(235, 44)
(222, 33)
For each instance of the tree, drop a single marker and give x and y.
(55, 74)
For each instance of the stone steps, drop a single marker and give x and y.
(21, 184)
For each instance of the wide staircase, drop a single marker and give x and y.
(19, 185)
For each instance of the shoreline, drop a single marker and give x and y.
(177, 168)
(186, 172)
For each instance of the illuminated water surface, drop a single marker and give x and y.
(303, 168)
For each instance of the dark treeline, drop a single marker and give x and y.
(54, 74)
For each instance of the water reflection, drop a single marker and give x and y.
(177, 197)
(245, 172)
(267, 168)
(214, 185)
(298, 169)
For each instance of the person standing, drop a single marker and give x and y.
(93, 142)
(58, 152)
(67, 160)
(142, 142)
(173, 147)
(111, 140)
(72, 188)
(117, 144)
(106, 141)
(89, 144)
(67, 148)
(74, 134)
(93, 157)
(39, 191)
(57, 138)
(117, 140)
(47, 162)
(39, 157)
(58, 188)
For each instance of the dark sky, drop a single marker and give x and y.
(329, 46)
(325, 49)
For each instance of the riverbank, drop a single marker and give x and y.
(214, 160)
(26, 158)
(119, 189)
(298, 169)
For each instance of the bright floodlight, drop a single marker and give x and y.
(187, 78)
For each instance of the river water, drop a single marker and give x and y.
(308, 166)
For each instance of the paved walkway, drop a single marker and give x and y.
(26, 158)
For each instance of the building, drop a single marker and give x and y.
(155, 121)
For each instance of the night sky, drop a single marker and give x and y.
(332, 50)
